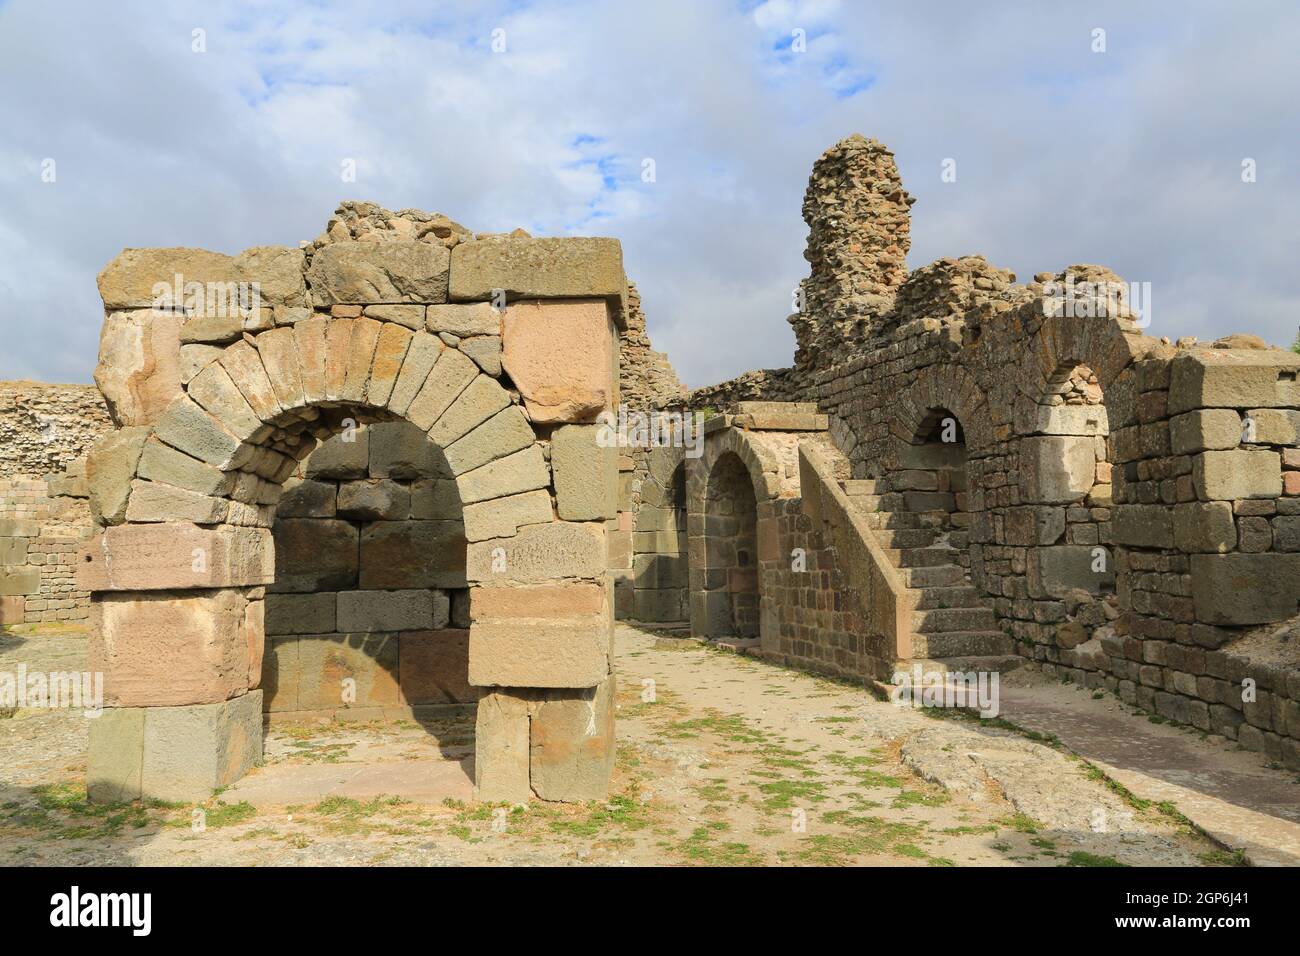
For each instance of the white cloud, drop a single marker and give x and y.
(1129, 158)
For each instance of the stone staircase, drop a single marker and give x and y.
(952, 629)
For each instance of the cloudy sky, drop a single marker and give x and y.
(543, 115)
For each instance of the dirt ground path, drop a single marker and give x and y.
(722, 760)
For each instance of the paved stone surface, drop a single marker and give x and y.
(1228, 792)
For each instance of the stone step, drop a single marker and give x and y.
(865, 504)
(1001, 663)
(947, 595)
(962, 644)
(921, 557)
(935, 576)
(906, 537)
(954, 619)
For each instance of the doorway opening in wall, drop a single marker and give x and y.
(368, 619)
(932, 478)
(731, 550)
(659, 565)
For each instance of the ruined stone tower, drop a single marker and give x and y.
(858, 236)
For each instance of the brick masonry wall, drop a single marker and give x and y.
(1114, 545)
(45, 432)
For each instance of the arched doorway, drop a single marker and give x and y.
(731, 573)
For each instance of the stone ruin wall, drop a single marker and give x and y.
(500, 351)
(1200, 528)
(45, 432)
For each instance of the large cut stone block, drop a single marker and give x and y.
(154, 502)
(339, 458)
(586, 474)
(435, 498)
(371, 611)
(306, 498)
(568, 601)
(1240, 589)
(538, 653)
(1205, 428)
(1055, 469)
(400, 450)
(1062, 568)
(434, 667)
(188, 428)
(162, 463)
(139, 370)
(1204, 527)
(374, 499)
(315, 554)
(1032, 418)
(451, 375)
(478, 318)
(514, 474)
(160, 649)
(110, 466)
(19, 581)
(347, 670)
(539, 268)
(502, 517)
(540, 552)
(503, 434)
(1234, 378)
(379, 272)
(572, 744)
(191, 751)
(1034, 525)
(560, 357)
(115, 755)
(300, 613)
(501, 736)
(1229, 475)
(174, 557)
(1143, 526)
(413, 554)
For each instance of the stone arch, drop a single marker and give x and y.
(942, 387)
(1106, 344)
(178, 576)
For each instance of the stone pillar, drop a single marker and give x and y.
(177, 631)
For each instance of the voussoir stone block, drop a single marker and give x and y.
(540, 552)
(149, 557)
(155, 502)
(162, 463)
(538, 653)
(503, 434)
(586, 473)
(188, 428)
(379, 272)
(514, 474)
(110, 467)
(502, 517)
(482, 399)
(559, 354)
